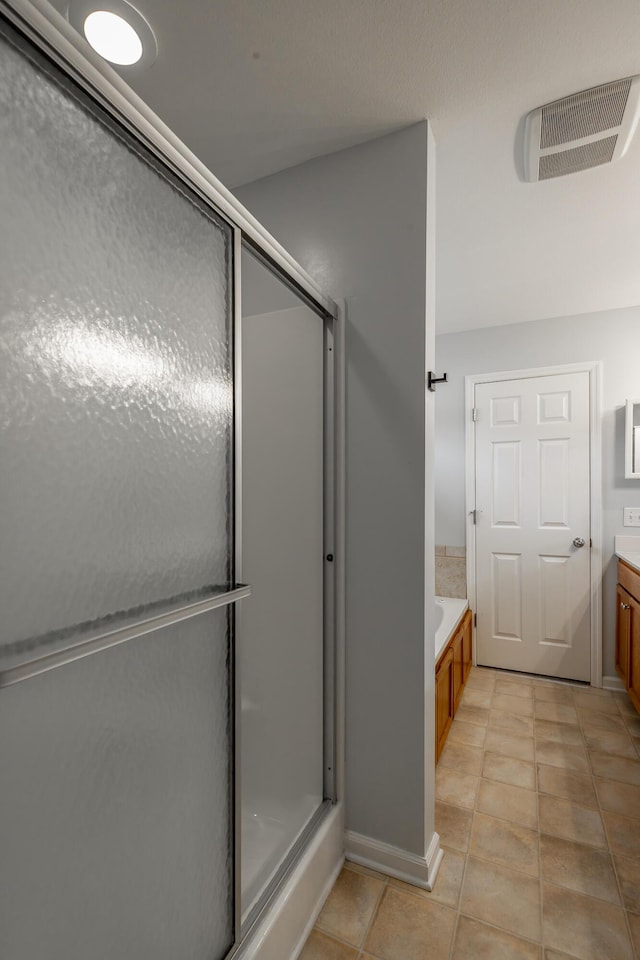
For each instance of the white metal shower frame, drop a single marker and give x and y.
(51, 33)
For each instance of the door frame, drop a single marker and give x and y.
(594, 369)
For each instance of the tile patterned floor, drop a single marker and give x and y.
(538, 811)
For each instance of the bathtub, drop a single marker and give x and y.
(449, 613)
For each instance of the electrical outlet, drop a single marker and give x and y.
(631, 517)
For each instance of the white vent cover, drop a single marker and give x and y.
(584, 130)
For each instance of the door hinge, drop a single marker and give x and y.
(474, 414)
(474, 517)
(475, 619)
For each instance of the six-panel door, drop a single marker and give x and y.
(533, 525)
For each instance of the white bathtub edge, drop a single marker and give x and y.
(395, 862)
(282, 933)
(450, 621)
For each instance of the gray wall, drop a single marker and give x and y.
(356, 220)
(613, 337)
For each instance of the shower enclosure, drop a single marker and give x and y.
(167, 437)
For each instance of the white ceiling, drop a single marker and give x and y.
(255, 86)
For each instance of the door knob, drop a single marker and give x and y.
(579, 541)
(625, 606)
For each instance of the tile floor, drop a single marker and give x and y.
(538, 811)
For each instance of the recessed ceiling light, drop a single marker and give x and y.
(115, 30)
(113, 38)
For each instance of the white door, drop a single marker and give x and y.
(533, 509)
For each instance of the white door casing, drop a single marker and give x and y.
(533, 498)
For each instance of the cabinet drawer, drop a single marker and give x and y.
(629, 579)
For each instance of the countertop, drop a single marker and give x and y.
(628, 549)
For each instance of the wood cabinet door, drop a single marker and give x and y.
(633, 677)
(444, 700)
(458, 667)
(623, 627)
(467, 645)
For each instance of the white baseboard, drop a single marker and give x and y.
(613, 683)
(282, 933)
(420, 871)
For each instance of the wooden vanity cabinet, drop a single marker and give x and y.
(467, 648)
(452, 670)
(623, 624)
(458, 678)
(628, 630)
(444, 699)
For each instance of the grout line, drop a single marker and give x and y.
(625, 717)
(374, 913)
(604, 827)
(466, 854)
(540, 882)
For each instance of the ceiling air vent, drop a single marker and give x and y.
(584, 130)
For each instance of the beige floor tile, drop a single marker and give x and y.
(634, 923)
(454, 826)
(321, 947)
(457, 788)
(558, 732)
(615, 768)
(509, 745)
(556, 955)
(622, 798)
(508, 803)
(477, 698)
(509, 770)
(509, 844)
(562, 755)
(513, 677)
(623, 834)
(407, 927)
(558, 712)
(462, 756)
(628, 870)
(484, 688)
(591, 701)
(583, 927)
(578, 867)
(625, 706)
(512, 704)
(591, 720)
(563, 818)
(503, 897)
(511, 723)
(633, 725)
(553, 693)
(477, 941)
(514, 688)
(605, 741)
(350, 906)
(448, 882)
(470, 733)
(365, 871)
(480, 676)
(567, 784)
(471, 714)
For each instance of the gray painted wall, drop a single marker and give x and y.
(613, 337)
(356, 220)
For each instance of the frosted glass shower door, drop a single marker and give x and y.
(280, 633)
(116, 509)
